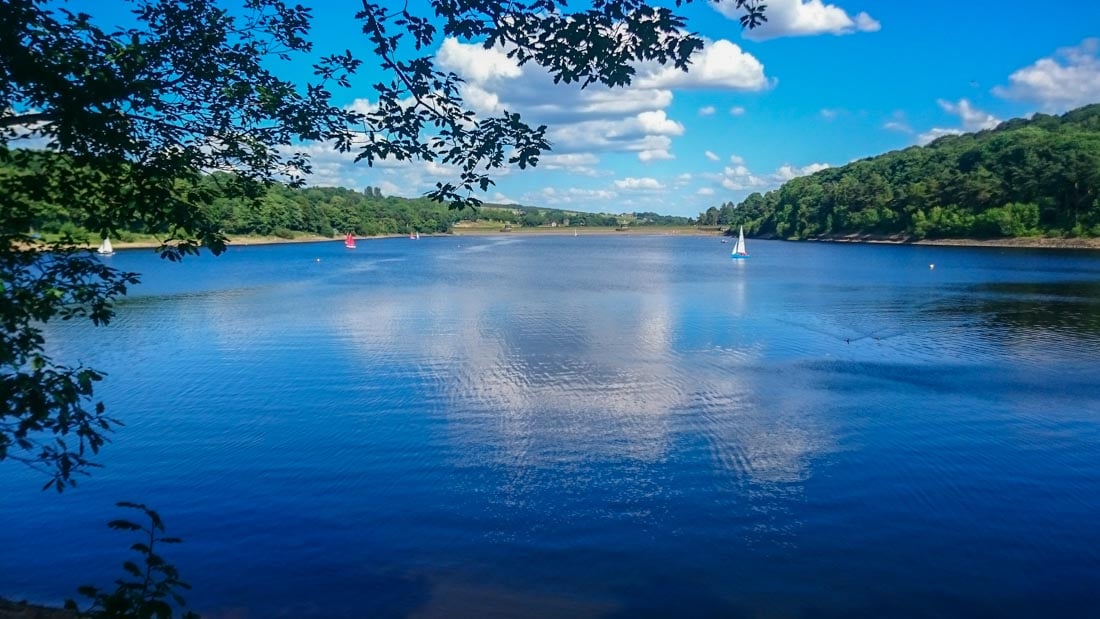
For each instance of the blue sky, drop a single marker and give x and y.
(821, 85)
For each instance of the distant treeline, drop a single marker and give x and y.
(280, 210)
(1039, 176)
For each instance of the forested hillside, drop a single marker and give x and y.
(1039, 176)
(280, 210)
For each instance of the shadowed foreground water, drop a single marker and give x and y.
(593, 427)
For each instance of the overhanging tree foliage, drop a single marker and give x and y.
(140, 113)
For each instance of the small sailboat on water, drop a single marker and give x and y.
(739, 250)
(349, 241)
(105, 248)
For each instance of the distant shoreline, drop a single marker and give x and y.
(1023, 242)
(10, 609)
(582, 231)
(895, 239)
(244, 240)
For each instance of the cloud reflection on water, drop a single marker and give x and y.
(553, 380)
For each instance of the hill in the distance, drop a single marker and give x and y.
(1027, 177)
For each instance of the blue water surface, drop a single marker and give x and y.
(595, 426)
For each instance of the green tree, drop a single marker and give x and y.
(725, 214)
(533, 217)
(1026, 177)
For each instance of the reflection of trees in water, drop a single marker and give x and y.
(1051, 308)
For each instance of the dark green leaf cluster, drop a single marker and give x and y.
(151, 587)
(1039, 176)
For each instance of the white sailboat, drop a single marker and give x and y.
(739, 250)
(105, 248)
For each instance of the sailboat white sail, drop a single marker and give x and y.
(739, 250)
(105, 248)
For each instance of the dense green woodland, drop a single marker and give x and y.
(1032, 177)
(284, 211)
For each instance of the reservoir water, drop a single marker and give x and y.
(600, 426)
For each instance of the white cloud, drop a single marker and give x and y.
(737, 159)
(639, 184)
(32, 136)
(707, 110)
(389, 189)
(801, 18)
(595, 119)
(898, 122)
(737, 110)
(658, 123)
(593, 200)
(831, 113)
(574, 163)
(655, 154)
(331, 168)
(720, 64)
(705, 191)
(866, 23)
(711, 156)
(1070, 78)
(973, 119)
(482, 66)
(406, 178)
(363, 106)
(738, 177)
(531, 90)
(786, 172)
(936, 132)
(610, 136)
